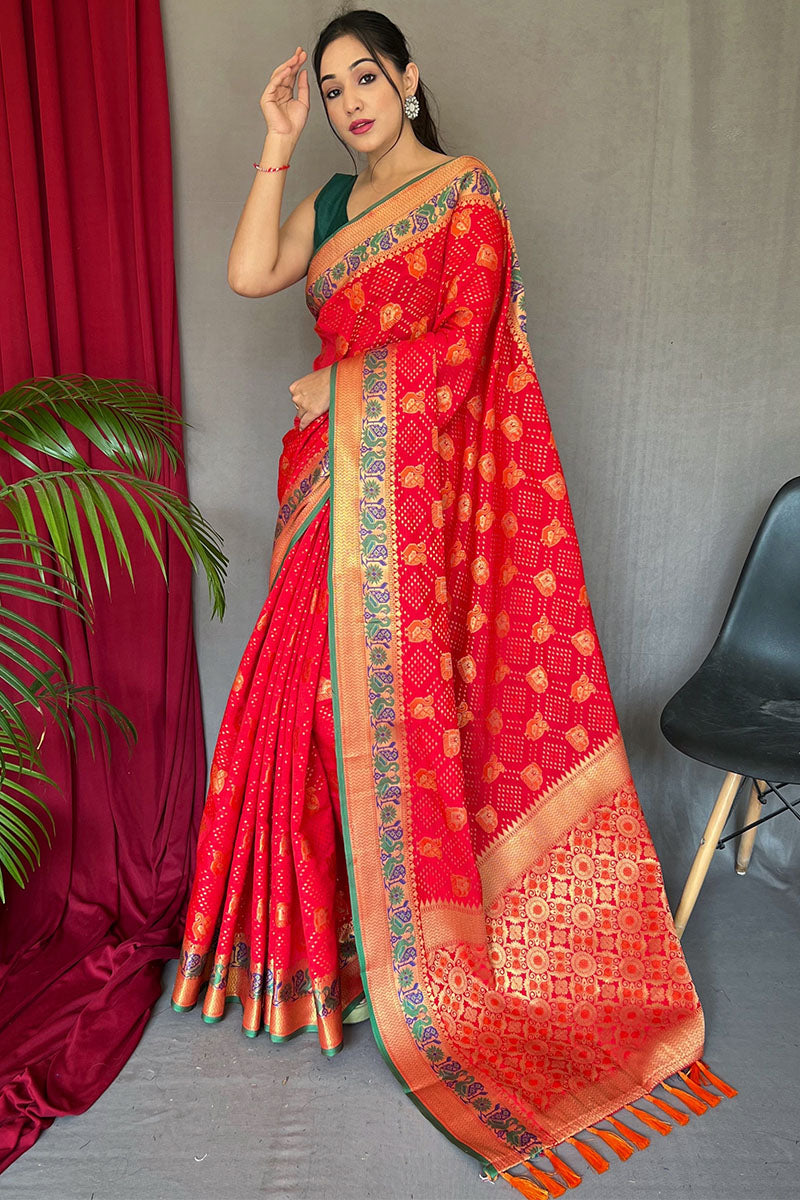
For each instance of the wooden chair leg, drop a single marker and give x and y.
(754, 811)
(708, 844)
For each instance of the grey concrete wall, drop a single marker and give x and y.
(648, 155)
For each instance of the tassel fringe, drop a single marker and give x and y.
(699, 1067)
(640, 1140)
(571, 1178)
(698, 1090)
(625, 1141)
(553, 1187)
(526, 1186)
(618, 1144)
(592, 1157)
(675, 1113)
(691, 1102)
(648, 1118)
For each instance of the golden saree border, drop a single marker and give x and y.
(395, 932)
(385, 226)
(298, 1011)
(372, 859)
(591, 782)
(358, 801)
(298, 511)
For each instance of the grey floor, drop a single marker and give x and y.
(201, 1111)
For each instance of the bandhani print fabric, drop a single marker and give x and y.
(420, 794)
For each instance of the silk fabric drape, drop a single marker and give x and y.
(518, 955)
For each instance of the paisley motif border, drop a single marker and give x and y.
(393, 224)
(298, 513)
(301, 491)
(370, 750)
(365, 668)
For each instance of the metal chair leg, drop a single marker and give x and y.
(754, 807)
(708, 844)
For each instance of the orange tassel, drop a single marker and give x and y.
(676, 1115)
(691, 1102)
(617, 1144)
(649, 1119)
(724, 1087)
(698, 1090)
(554, 1188)
(697, 1080)
(640, 1141)
(593, 1158)
(526, 1186)
(571, 1178)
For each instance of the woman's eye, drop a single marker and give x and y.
(332, 93)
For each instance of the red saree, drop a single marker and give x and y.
(491, 883)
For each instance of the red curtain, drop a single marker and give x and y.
(86, 261)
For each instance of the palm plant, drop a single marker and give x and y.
(55, 514)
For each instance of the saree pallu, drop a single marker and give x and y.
(513, 939)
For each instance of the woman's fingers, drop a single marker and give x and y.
(293, 74)
(288, 61)
(282, 83)
(286, 67)
(293, 64)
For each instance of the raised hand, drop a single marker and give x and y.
(284, 112)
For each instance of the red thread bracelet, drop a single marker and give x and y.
(258, 167)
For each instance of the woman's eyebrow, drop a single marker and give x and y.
(355, 64)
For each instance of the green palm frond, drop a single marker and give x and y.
(59, 494)
(58, 588)
(54, 584)
(19, 846)
(16, 734)
(65, 701)
(130, 424)
(78, 507)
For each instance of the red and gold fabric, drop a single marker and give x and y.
(500, 889)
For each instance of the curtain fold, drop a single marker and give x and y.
(86, 256)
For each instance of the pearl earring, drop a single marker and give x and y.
(411, 106)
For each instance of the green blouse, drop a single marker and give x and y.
(331, 206)
(331, 202)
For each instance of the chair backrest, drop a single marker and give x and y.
(762, 623)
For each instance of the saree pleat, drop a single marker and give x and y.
(271, 925)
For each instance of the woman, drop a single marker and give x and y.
(419, 797)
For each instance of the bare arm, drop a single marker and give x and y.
(266, 257)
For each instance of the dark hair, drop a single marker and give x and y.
(380, 36)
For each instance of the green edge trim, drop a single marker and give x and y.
(353, 1004)
(337, 727)
(298, 532)
(273, 1037)
(383, 199)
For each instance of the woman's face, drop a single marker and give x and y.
(355, 89)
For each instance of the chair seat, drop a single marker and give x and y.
(741, 717)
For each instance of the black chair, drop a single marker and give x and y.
(740, 711)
